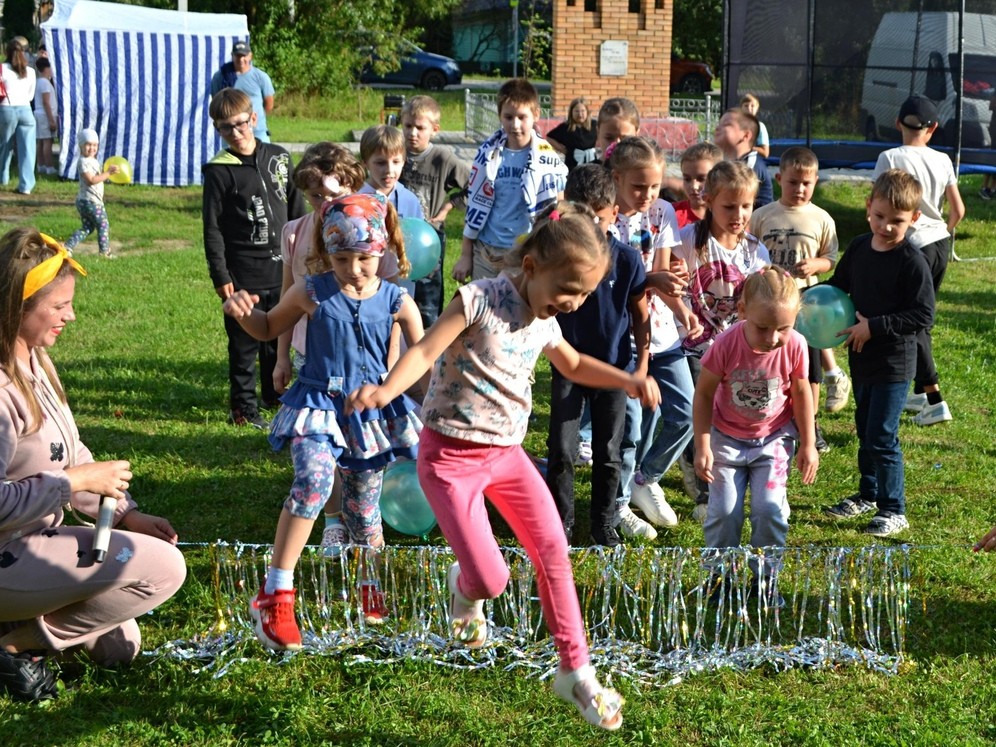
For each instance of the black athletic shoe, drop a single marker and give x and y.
(606, 536)
(26, 677)
(246, 416)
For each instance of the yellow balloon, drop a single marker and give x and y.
(123, 175)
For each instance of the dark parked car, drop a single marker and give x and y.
(418, 68)
(689, 76)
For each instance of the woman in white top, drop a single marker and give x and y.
(46, 116)
(17, 120)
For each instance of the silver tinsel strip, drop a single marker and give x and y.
(653, 615)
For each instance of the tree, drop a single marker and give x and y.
(19, 20)
(321, 45)
(697, 32)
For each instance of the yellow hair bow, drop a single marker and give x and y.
(44, 273)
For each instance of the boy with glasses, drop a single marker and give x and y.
(248, 197)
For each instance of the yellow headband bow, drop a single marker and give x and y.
(44, 273)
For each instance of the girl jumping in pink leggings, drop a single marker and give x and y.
(483, 350)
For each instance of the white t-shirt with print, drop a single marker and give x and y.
(716, 281)
(647, 232)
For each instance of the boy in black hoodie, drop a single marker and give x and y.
(248, 196)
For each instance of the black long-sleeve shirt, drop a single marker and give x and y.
(246, 202)
(893, 290)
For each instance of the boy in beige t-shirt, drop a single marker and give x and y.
(802, 238)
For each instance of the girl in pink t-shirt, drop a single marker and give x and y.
(752, 400)
(482, 350)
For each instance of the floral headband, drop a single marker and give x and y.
(355, 223)
(44, 272)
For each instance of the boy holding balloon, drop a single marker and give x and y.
(889, 282)
(90, 198)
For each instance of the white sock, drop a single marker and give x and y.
(279, 579)
(833, 373)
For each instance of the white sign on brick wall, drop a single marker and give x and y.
(614, 58)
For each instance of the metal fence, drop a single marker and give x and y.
(705, 112)
(481, 113)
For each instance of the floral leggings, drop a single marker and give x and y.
(314, 475)
(94, 219)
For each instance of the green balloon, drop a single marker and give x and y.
(421, 246)
(402, 502)
(826, 310)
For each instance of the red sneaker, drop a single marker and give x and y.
(276, 627)
(374, 607)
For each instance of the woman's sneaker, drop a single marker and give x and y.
(26, 676)
(584, 453)
(850, 507)
(915, 402)
(886, 525)
(276, 627)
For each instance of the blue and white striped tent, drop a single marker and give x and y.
(141, 78)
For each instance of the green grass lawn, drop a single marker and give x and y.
(296, 119)
(145, 370)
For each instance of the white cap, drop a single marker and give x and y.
(88, 135)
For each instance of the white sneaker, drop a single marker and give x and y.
(631, 525)
(933, 414)
(886, 526)
(915, 402)
(838, 391)
(650, 500)
(700, 512)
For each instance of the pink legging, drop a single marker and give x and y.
(456, 477)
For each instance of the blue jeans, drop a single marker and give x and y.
(674, 415)
(654, 456)
(17, 128)
(877, 408)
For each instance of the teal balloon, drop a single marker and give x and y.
(402, 502)
(421, 246)
(826, 310)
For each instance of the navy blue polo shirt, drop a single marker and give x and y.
(601, 326)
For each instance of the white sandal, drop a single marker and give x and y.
(605, 708)
(472, 630)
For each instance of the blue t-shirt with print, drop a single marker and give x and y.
(509, 217)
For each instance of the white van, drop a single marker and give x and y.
(918, 54)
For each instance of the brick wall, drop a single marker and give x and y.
(577, 38)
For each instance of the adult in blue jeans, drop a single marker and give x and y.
(17, 119)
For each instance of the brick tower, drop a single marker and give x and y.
(606, 48)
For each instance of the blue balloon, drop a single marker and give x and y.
(826, 310)
(421, 246)
(402, 502)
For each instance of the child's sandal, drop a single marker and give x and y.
(605, 707)
(472, 630)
